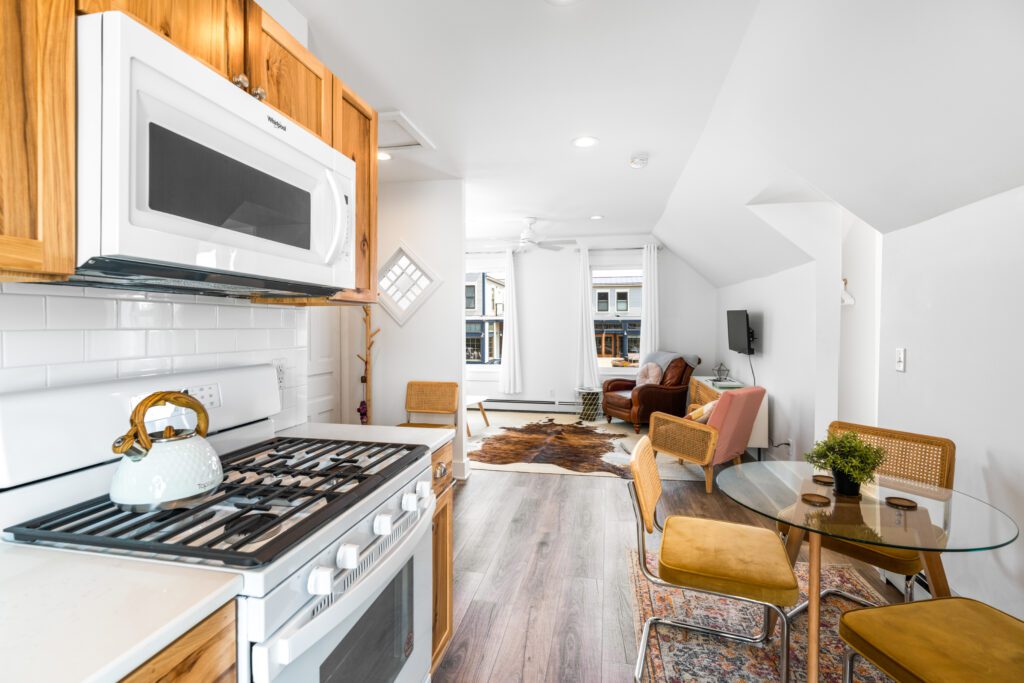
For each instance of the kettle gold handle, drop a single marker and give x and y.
(137, 432)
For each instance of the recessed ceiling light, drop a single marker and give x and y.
(597, 217)
(383, 156)
(585, 141)
(638, 160)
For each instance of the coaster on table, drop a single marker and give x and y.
(822, 479)
(816, 500)
(901, 503)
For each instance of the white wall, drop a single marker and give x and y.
(290, 18)
(782, 313)
(951, 296)
(547, 320)
(859, 323)
(57, 336)
(429, 218)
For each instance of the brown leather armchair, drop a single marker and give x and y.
(621, 398)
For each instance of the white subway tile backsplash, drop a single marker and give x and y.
(30, 288)
(144, 314)
(266, 316)
(288, 318)
(22, 379)
(199, 361)
(167, 296)
(41, 348)
(281, 338)
(79, 313)
(80, 373)
(170, 342)
(104, 345)
(143, 366)
(194, 316)
(233, 360)
(105, 293)
(249, 340)
(215, 341)
(22, 312)
(234, 316)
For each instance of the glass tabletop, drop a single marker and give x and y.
(944, 520)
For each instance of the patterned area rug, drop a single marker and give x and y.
(577, 447)
(675, 655)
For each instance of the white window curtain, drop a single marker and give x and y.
(586, 366)
(649, 302)
(510, 381)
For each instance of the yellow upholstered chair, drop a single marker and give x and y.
(927, 460)
(431, 398)
(734, 561)
(948, 639)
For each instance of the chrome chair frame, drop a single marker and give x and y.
(764, 636)
(851, 654)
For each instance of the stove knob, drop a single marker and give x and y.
(348, 556)
(320, 581)
(382, 525)
(423, 489)
(410, 502)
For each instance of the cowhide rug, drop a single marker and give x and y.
(577, 447)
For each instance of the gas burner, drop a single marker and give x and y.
(238, 528)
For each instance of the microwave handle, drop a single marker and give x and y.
(271, 657)
(340, 209)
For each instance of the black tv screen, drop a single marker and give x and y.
(739, 332)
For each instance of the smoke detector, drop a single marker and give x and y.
(638, 160)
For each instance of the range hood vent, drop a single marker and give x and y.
(396, 131)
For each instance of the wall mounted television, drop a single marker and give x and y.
(741, 336)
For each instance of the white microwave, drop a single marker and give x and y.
(188, 183)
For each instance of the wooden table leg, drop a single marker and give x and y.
(938, 586)
(468, 433)
(813, 605)
(484, 413)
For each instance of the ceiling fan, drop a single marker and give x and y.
(529, 240)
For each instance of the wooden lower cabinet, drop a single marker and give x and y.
(443, 575)
(206, 654)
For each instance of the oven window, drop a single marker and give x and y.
(376, 648)
(189, 180)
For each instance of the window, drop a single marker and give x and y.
(617, 331)
(485, 312)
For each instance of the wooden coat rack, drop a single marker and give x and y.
(367, 358)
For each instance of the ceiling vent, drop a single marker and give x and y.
(396, 131)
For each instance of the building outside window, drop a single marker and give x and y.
(485, 318)
(617, 332)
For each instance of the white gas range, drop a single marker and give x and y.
(328, 525)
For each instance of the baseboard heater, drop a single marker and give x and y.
(527, 405)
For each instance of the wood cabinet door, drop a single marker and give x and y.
(209, 30)
(204, 654)
(443, 546)
(355, 136)
(37, 151)
(292, 79)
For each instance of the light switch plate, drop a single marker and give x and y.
(901, 359)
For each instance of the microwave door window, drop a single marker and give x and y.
(189, 180)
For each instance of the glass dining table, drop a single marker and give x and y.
(890, 512)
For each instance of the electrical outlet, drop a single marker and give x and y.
(901, 359)
(279, 368)
(207, 394)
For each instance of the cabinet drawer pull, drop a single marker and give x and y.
(441, 471)
(242, 81)
(259, 93)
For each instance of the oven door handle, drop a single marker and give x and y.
(294, 638)
(340, 209)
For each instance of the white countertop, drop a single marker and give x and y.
(72, 616)
(426, 436)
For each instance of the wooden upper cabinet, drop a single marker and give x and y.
(37, 151)
(292, 79)
(355, 136)
(212, 31)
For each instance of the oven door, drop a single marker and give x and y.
(194, 171)
(377, 631)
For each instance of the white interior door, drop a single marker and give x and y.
(324, 364)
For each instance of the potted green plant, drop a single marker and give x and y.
(851, 460)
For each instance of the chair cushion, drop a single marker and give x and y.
(622, 399)
(948, 639)
(673, 375)
(702, 413)
(733, 559)
(648, 374)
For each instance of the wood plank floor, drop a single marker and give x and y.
(541, 575)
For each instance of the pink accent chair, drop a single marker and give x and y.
(723, 438)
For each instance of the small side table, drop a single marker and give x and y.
(590, 403)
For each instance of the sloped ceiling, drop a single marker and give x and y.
(898, 111)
